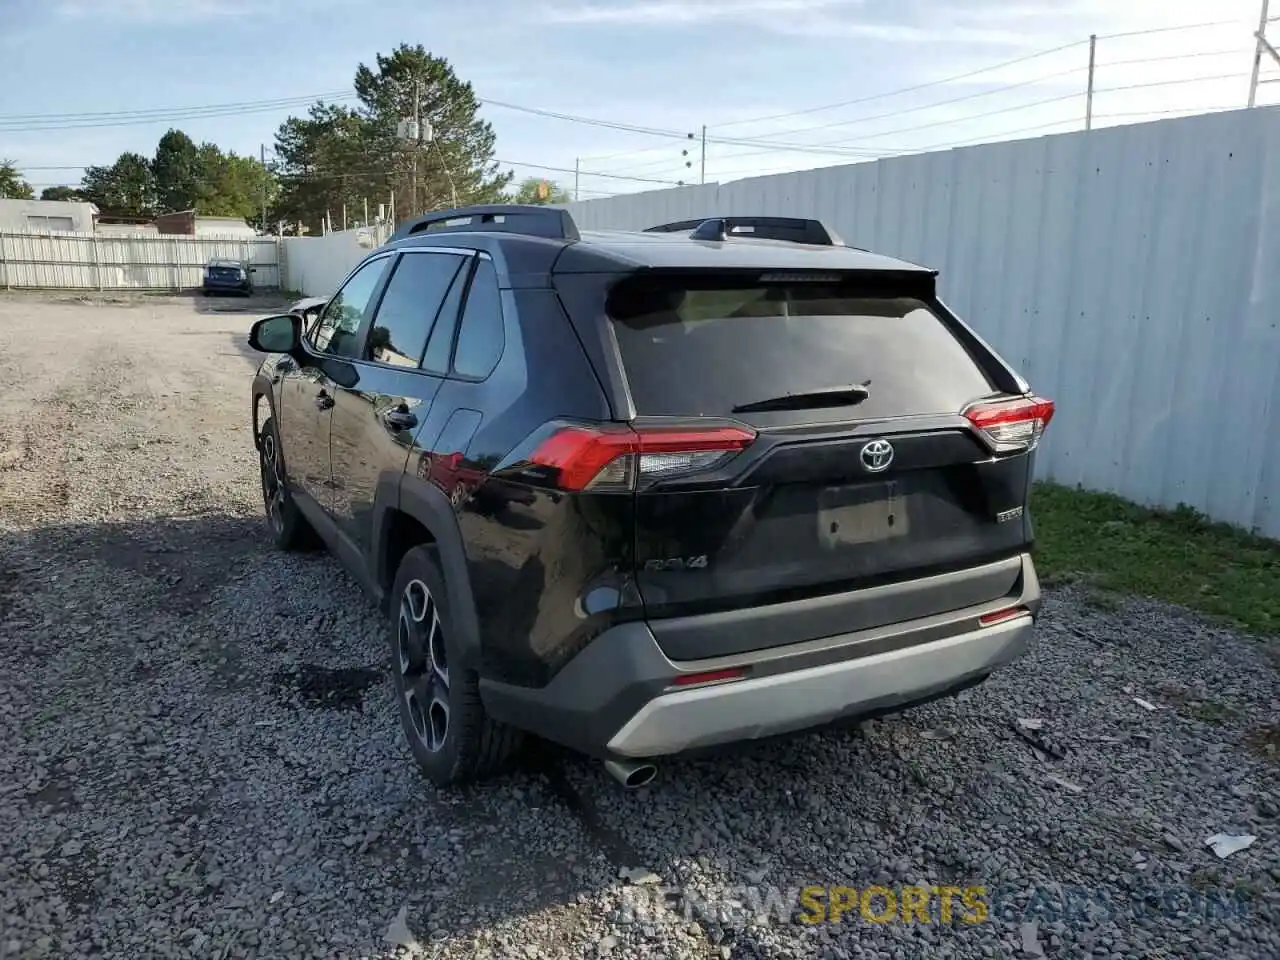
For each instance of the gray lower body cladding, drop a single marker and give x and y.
(617, 699)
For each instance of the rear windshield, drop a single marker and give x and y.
(702, 349)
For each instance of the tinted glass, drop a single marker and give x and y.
(440, 345)
(336, 332)
(409, 306)
(480, 337)
(702, 351)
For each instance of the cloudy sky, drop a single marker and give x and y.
(780, 84)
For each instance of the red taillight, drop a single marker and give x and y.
(999, 616)
(620, 457)
(711, 676)
(1011, 425)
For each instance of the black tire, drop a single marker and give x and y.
(468, 745)
(289, 528)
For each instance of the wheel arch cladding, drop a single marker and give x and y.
(416, 513)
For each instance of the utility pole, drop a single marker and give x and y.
(577, 173)
(262, 150)
(1088, 97)
(1259, 47)
(417, 98)
(703, 173)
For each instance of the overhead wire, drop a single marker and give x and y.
(1034, 103)
(1173, 29)
(352, 174)
(912, 89)
(818, 147)
(26, 126)
(839, 147)
(169, 110)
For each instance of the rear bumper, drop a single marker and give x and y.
(617, 699)
(226, 286)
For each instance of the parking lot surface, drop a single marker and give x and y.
(199, 756)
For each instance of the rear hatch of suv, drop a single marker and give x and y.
(805, 436)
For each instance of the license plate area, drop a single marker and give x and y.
(866, 513)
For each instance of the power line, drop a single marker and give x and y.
(585, 173)
(996, 136)
(1037, 103)
(353, 174)
(911, 89)
(1172, 56)
(212, 113)
(747, 141)
(1185, 26)
(591, 121)
(168, 110)
(1170, 83)
(832, 147)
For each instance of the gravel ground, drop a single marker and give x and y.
(199, 755)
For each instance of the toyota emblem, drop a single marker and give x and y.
(877, 455)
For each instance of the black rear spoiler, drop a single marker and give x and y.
(793, 229)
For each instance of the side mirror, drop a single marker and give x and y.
(280, 334)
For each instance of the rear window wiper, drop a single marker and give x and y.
(811, 399)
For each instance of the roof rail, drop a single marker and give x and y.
(794, 229)
(528, 219)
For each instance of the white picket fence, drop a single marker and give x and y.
(88, 261)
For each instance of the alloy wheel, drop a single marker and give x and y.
(272, 484)
(424, 669)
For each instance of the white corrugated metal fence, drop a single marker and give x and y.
(1131, 273)
(87, 261)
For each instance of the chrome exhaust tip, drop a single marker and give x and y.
(630, 773)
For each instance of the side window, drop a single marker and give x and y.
(480, 336)
(436, 359)
(335, 334)
(408, 309)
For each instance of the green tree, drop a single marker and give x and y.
(127, 188)
(177, 171)
(538, 191)
(340, 155)
(233, 186)
(326, 160)
(12, 186)
(61, 193)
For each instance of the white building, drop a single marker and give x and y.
(47, 216)
(223, 227)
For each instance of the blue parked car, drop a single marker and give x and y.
(227, 276)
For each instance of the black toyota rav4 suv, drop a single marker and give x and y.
(645, 493)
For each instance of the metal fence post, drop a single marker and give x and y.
(4, 266)
(97, 262)
(1088, 97)
(1260, 38)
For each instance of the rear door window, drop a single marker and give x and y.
(701, 349)
(480, 337)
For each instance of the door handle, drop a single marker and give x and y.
(323, 400)
(400, 419)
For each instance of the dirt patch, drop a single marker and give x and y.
(326, 688)
(1265, 742)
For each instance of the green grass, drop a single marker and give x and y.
(1117, 547)
(1265, 742)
